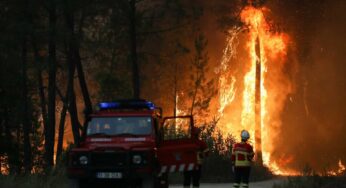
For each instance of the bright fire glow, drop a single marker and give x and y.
(341, 169)
(4, 164)
(274, 85)
(227, 86)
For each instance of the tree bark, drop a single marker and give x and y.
(50, 129)
(73, 63)
(25, 119)
(133, 50)
(40, 87)
(26, 123)
(175, 89)
(75, 55)
(82, 82)
(8, 139)
(72, 103)
(61, 129)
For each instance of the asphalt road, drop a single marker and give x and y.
(262, 184)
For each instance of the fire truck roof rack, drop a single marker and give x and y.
(128, 104)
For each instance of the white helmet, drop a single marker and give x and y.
(245, 135)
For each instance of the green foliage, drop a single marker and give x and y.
(217, 142)
(217, 166)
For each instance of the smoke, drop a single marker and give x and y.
(314, 119)
(308, 128)
(310, 124)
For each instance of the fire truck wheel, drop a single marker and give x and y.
(154, 182)
(162, 181)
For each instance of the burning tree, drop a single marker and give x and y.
(264, 85)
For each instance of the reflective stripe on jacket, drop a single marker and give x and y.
(242, 154)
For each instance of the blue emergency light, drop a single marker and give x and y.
(109, 105)
(127, 104)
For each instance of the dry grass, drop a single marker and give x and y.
(55, 179)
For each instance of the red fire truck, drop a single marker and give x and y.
(130, 143)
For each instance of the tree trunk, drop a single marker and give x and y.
(72, 104)
(42, 97)
(61, 130)
(175, 89)
(19, 163)
(73, 63)
(258, 114)
(50, 129)
(26, 123)
(75, 56)
(8, 138)
(133, 50)
(82, 82)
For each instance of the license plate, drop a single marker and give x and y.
(109, 175)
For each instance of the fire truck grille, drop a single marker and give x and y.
(111, 159)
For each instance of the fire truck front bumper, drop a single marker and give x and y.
(109, 173)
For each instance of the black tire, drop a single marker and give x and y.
(162, 181)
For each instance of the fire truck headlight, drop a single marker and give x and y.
(83, 160)
(137, 159)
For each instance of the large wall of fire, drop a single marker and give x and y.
(303, 83)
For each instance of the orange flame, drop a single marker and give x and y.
(274, 86)
(4, 167)
(227, 88)
(341, 169)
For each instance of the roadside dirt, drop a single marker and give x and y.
(261, 184)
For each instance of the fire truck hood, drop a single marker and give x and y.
(122, 143)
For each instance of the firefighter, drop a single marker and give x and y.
(202, 152)
(242, 155)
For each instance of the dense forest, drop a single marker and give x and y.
(59, 58)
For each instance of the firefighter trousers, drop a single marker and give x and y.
(194, 175)
(241, 178)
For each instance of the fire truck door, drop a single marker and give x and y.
(177, 151)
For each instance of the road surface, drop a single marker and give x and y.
(262, 184)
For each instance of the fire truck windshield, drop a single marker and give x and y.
(120, 126)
